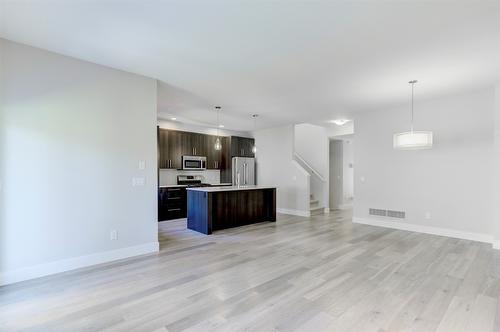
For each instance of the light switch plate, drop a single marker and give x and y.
(137, 182)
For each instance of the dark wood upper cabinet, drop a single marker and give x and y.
(169, 148)
(199, 143)
(213, 156)
(173, 144)
(242, 147)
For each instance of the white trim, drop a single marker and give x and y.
(479, 237)
(294, 212)
(41, 270)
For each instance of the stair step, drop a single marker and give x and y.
(313, 203)
(317, 210)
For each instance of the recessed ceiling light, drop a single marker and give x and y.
(340, 122)
(173, 119)
(221, 126)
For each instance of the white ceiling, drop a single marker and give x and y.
(289, 61)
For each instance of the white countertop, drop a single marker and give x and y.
(229, 188)
(184, 185)
(173, 186)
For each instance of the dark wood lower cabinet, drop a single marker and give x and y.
(171, 203)
(210, 211)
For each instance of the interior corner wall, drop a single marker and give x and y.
(312, 144)
(276, 167)
(72, 135)
(445, 188)
(496, 167)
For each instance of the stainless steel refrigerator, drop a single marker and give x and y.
(243, 171)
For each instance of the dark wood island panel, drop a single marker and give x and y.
(214, 210)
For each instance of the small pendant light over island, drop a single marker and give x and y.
(217, 145)
(254, 116)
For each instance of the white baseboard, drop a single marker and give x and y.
(294, 212)
(37, 271)
(428, 230)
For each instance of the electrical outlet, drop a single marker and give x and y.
(113, 235)
(142, 165)
(427, 215)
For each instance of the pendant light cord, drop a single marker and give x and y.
(218, 122)
(412, 94)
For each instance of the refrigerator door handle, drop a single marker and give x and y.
(246, 173)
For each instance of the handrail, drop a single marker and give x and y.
(311, 169)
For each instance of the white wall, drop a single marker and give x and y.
(276, 167)
(165, 124)
(495, 183)
(451, 181)
(71, 135)
(311, 143)
(345, 129)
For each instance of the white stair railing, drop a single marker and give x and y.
(308, 167)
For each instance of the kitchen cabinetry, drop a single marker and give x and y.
(169, 147)
(242, 147)
(172, 203)
(173, 144)
(213, 156)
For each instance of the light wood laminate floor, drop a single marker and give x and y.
(301, 274)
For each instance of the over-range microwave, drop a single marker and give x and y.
(194, 163)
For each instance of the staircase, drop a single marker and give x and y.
(314, 207)
(317, 186)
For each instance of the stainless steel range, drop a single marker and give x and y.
(191, 180)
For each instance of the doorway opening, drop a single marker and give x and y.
(341, 177)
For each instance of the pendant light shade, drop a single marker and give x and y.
(412, 140)
(218, 145)
(254, 116)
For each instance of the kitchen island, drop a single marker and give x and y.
(214, 208)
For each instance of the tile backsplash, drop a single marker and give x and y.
(169, 176)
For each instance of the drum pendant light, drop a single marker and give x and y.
(412, 140)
